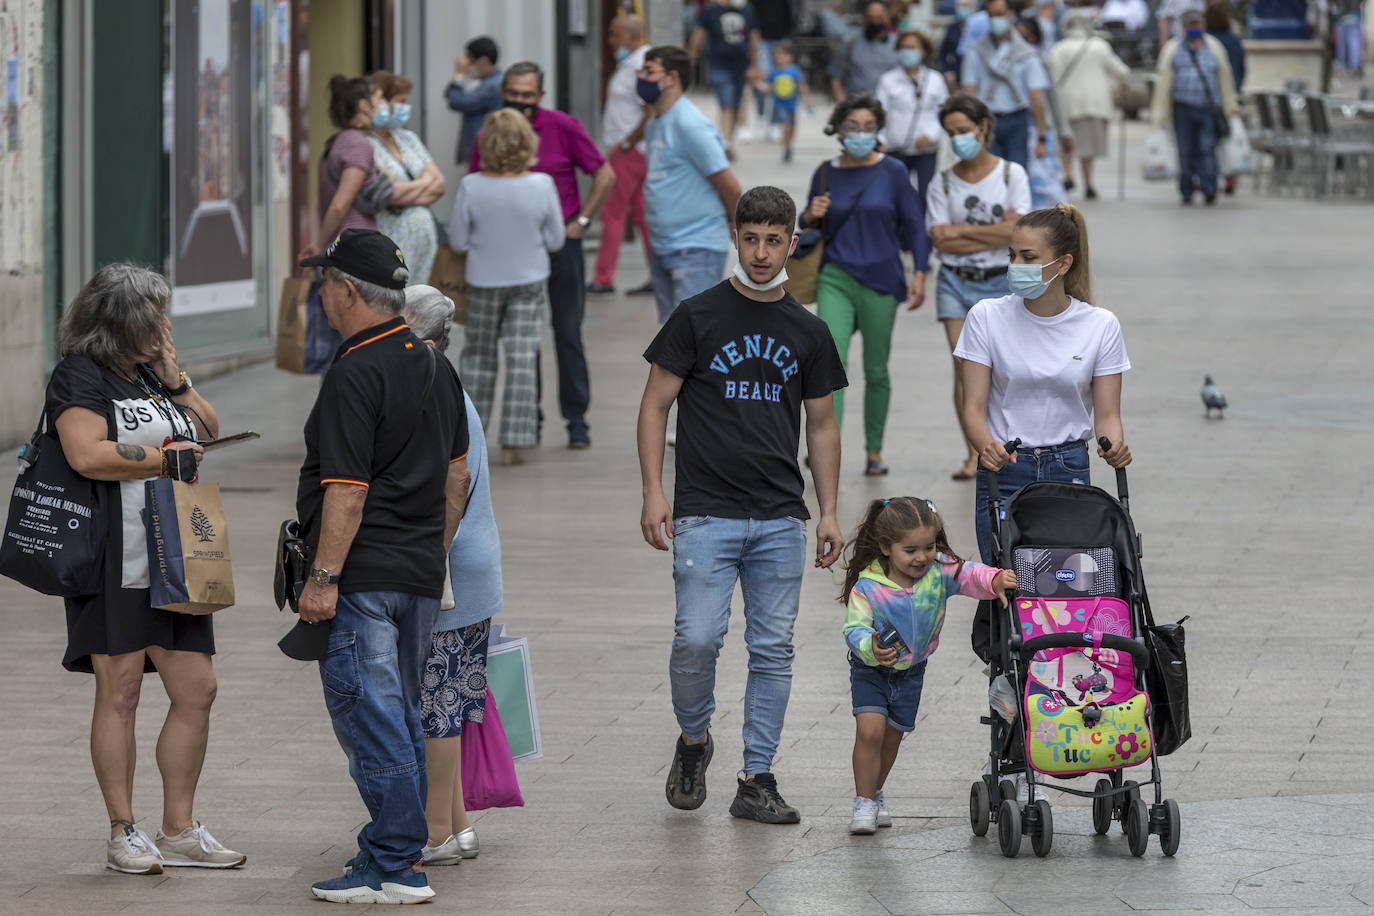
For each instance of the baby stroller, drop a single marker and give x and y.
(1075, 644)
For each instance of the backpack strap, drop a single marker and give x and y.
(1006, 174)
(944, 180)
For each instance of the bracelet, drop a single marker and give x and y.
(164, 471)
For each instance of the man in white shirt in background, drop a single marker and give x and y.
(622, 133)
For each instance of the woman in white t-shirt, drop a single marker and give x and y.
(912, 94)
(970, 210)
(1042, 365)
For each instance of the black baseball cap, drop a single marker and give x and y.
(367, 255)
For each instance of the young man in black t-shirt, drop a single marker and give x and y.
(382, 489)
(741, 360)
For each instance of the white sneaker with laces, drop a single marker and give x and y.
(195, 847)
(865, 819)
(133, 852)
(884, 815)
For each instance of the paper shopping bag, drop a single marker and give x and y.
(510, 680)
(293, 323)
(305, 342)
(188, 547)
(449, 276)
(485, 762)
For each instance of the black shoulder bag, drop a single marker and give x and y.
(54, 539)
(1219, 116)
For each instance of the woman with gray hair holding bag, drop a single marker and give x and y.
(124, 412)
(454, 689)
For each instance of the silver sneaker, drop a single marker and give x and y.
(884, 815)
(194, 847)
(133, 853)
(446, 853)
(467, 842)
(865, 816)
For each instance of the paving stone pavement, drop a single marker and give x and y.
(1258, 526)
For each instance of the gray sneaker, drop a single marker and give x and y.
(758, 800)
(195, 847)
(467, 843)
(134, 853)
(686, 788)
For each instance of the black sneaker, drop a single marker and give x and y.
(599, 289)
(686, 788)
(644, 289)
(758, 800)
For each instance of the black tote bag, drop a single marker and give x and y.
(54, 539)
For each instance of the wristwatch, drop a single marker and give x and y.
(182, 388)
(323, 577)
(583, 221)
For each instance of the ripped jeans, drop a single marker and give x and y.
(681, 274)
(1066, 463)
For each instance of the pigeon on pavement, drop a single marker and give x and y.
(1213, 397)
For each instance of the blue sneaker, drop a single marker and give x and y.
(363, 882)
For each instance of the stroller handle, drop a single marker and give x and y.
(1122, 493)
(1133, 647)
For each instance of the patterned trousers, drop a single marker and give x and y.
(514, 316)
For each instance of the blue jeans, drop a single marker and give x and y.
(377, 648)
(567, 303)
(1011, 137)
(767, 557)
(1067, 463)
(955, 296)
(1196, 134)
(681, 274)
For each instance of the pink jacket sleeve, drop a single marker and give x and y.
(975, 580)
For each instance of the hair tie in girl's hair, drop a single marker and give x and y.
(931, 503)
(886, 501)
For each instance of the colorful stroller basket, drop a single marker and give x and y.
(1071, 647)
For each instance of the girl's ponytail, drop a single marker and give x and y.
(1078, 281)
(1066, 232)
(863, 547)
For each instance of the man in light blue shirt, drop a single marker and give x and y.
(1008, 75)
(689, 190)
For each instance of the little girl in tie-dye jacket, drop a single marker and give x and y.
(901, 570)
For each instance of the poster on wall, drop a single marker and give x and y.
(211, 170)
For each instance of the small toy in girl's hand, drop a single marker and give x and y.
(889, 638)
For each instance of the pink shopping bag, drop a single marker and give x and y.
(487, 768)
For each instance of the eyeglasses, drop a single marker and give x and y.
(649, 73)
(858, 129)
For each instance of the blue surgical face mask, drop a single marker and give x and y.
(648, 90)
(1024, 279)
(400, 114)
(998, 25)
(1194, 34)
(382, 116)
(860, 145)
(910, 58)
(621, 54)
(962, 12)
(966, 146)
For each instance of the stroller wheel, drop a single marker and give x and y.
(1169, 831)
(1006, 789)
(1137, 827)
(1125, 800)
(979, 808)
(1042, 832)
(1103, 807)
(1009, 828)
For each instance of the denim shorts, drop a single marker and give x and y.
(728, 85)
(784, 114)
(954, 295)
(893, 693)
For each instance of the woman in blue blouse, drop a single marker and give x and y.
(868, 210)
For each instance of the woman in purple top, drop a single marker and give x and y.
(346, 166)
(865, 204)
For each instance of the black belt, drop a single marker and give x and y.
(974, 274)
(1010, 114)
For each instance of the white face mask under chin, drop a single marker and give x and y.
(742, 276)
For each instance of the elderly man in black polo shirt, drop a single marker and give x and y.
(382, 490)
